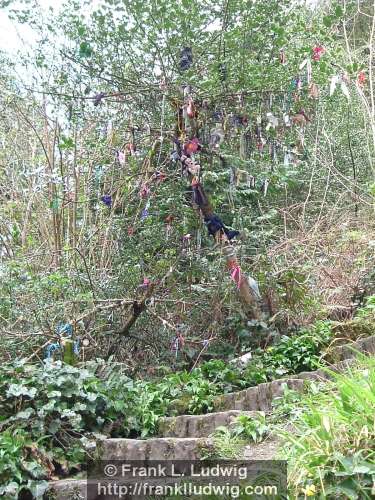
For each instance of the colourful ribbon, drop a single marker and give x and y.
(144, 192)
(51, 348)
(145, 212)
(64, 329)
(146, 283)
(236, 274)
(107, 200)
(318, 51)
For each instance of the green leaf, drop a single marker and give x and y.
(10, 490)
(66, 143)
(85, 49)
(54, 426)
(37, 488)
(21, 390)
(327, 21)
(339, 11)
(25, 414)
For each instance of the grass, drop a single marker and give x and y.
(331, 450)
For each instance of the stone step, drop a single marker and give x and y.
(258, 398)
(343, 357)
(177, 443)
(66, 489)
(143, 488)
(83, 489)
(261, 396)
(165, 448)
(186, 426)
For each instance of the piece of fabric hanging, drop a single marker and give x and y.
(318, 51)
(107, 200)
(51, 348)
(146, 283)
(235, 273)
(192, 146)
(178, 343)
(121, 157)
(199, 197)
(186, 58)
(145, 191)
(361, 79)
(64, 329)
(253, 284)
(145, 212)
(215, 224)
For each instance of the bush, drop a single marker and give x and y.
(300, 352)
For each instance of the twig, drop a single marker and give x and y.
(37, 351)
(87, 271)
(200, 354)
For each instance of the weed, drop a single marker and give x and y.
(251, 428)
(331, 450)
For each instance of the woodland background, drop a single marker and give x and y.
(96, 215)
(66, 255)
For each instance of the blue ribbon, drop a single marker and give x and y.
(64, 329)
(51, 348)
(76, 347)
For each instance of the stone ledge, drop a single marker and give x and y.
(348, 351)
(185, 426)
(167, 448)
(260, 397)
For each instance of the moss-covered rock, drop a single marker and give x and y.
(353, 329)
(181, 406)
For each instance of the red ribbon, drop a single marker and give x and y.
(160, 176)
(318, 51)
(144, 192)
(362, 77)
(236, 273)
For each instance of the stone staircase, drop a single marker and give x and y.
(187, 437)
(188, 426)
(160, 448)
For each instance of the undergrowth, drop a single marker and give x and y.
(229, 441)
(331, 449)
(53, 413)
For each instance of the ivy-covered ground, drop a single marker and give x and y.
(52, 413)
